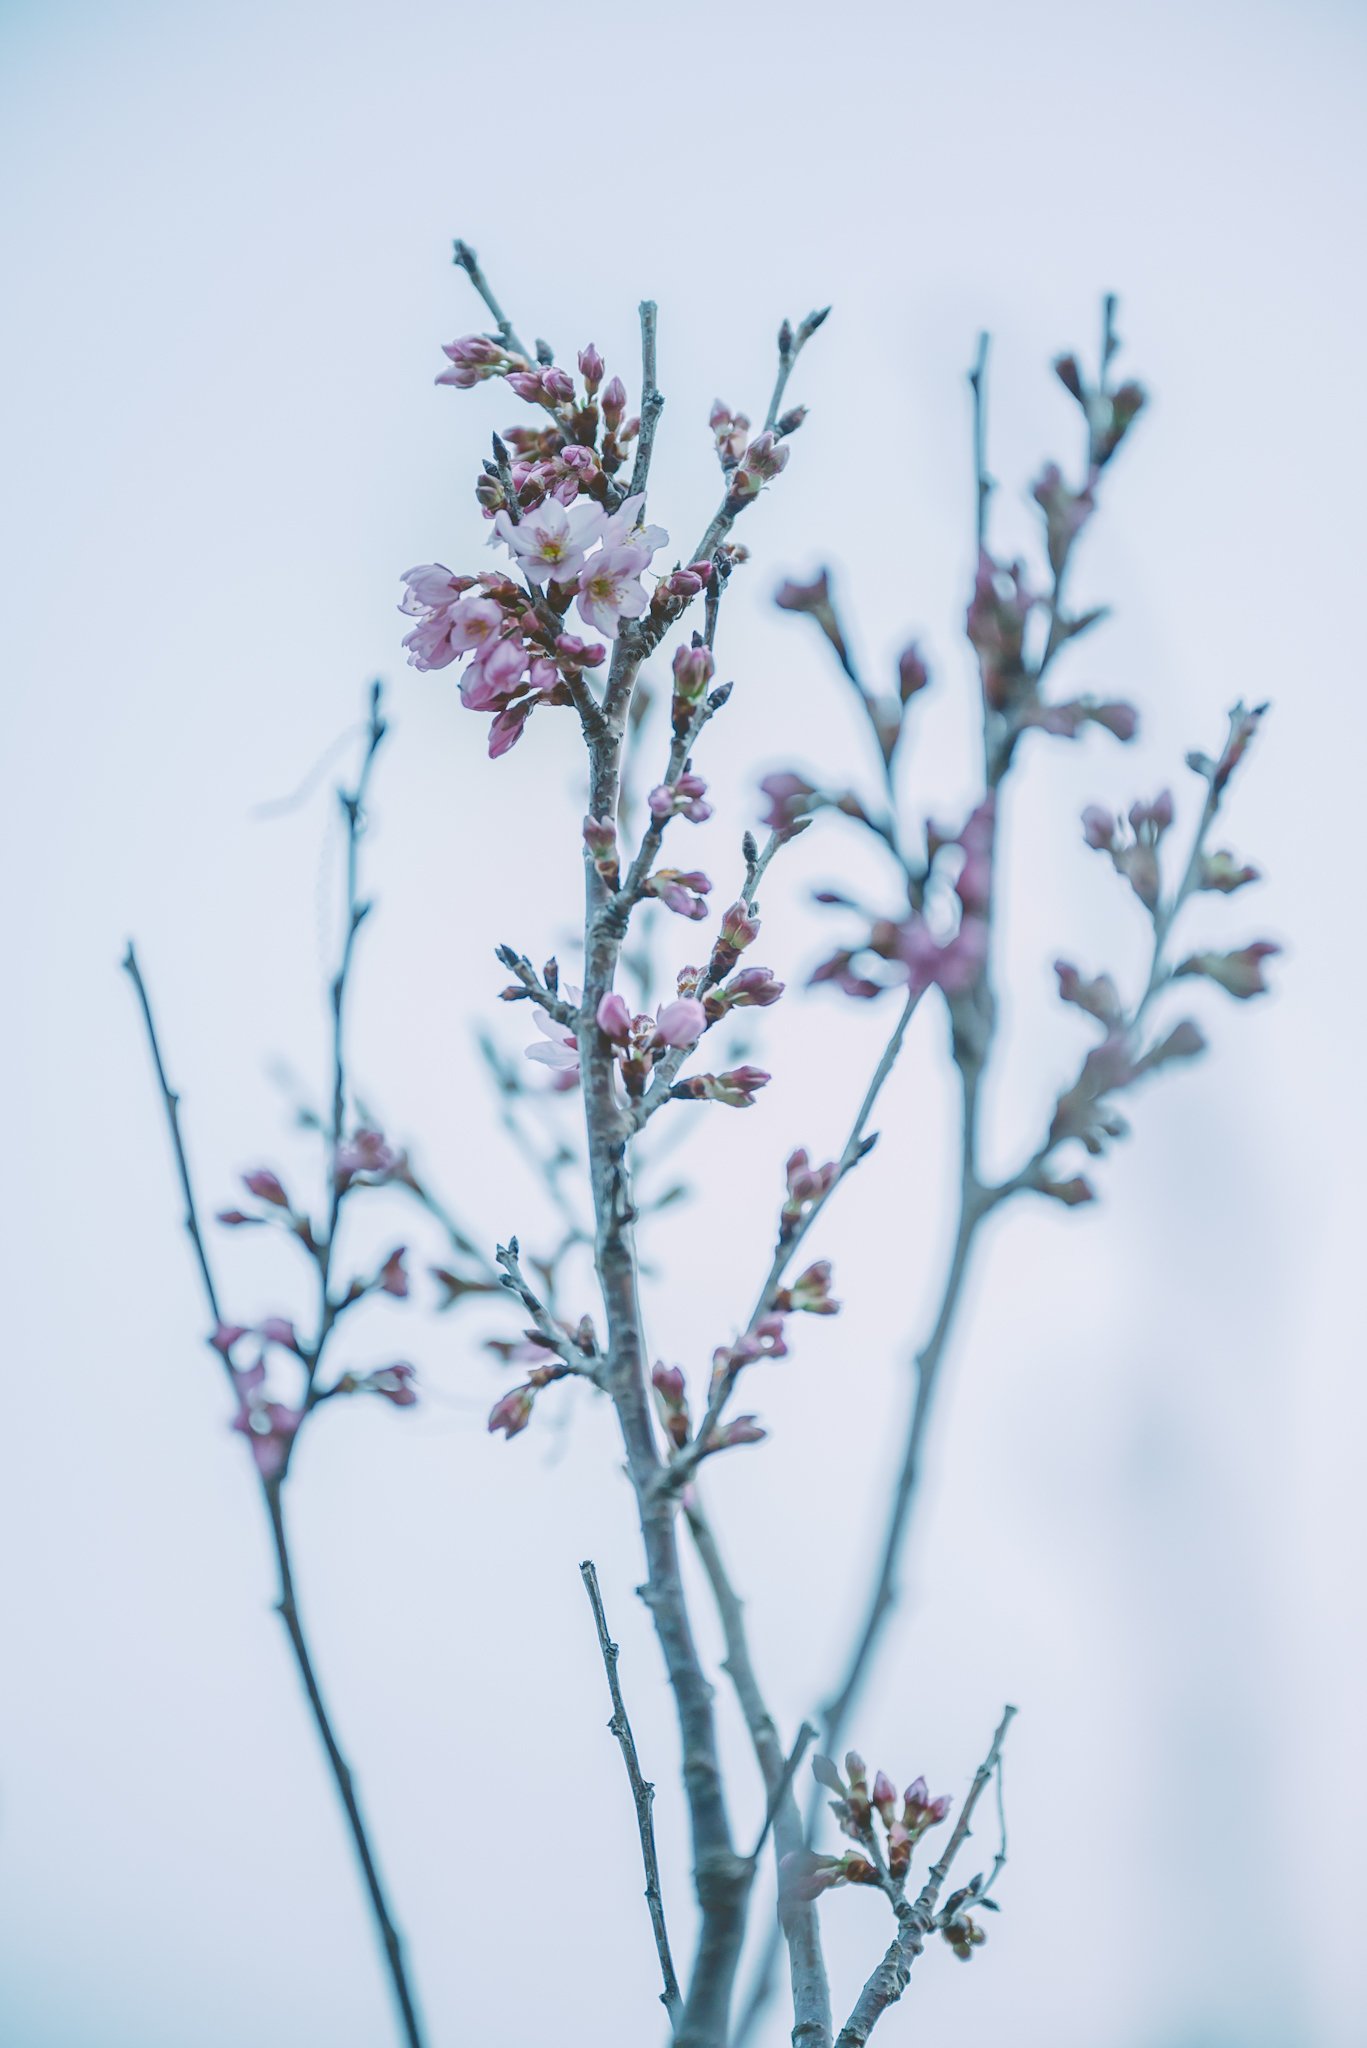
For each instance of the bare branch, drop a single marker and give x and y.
(643, 1793)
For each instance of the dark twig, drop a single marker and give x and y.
(642, 1791)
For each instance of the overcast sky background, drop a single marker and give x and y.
(227, 253)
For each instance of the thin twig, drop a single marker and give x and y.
(652, 400)
(642, 1792)
(171, 1103)
(467, 260)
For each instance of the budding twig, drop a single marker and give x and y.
(642, 1791)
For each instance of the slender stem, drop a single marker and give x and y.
(467, 260)
(287, 1608)
(652, 400)
(643, 1793)
(171, 1103)
(977, 378)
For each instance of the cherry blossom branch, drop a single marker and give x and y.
(287, 1607)
(790, 347)
(642, 1792)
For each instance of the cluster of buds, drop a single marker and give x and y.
(765, 458)
(639, 1040)
(1134, 854)
(680, 890)
(1110, 414)
(367, 1159)
(681, 799)
(754, 988)
(810, 1294)
(807, 1185)
(857, 1805)
(737, 1087)
(475, 357)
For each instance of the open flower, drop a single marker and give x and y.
(549, 544)
(561, 1052)
(625, 529)
(610, 588)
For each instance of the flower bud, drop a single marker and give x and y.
(614, 1019)
(266, 1187)
(512, 1413)
(694, 669)
(680, 1024)
(591, 367)
(1239, 974)
(600, 837)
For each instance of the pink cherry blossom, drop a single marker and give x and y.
(493, 675)
(549, 544)
(610, 588)
(626, 529)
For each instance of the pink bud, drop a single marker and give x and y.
(266, 1187)
(694, 669)
(512, 1413)
(591, 367)
(392, 1279)
(680, 1023)
(614, 1019)
(1098, 827)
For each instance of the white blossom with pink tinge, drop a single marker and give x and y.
(625, 529)
(549, 544)
(610, 588)
(561, 1052)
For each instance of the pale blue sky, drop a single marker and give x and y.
(227, 251)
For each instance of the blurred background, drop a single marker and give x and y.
(227, 253)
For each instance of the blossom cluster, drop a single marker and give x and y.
(574, 539)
